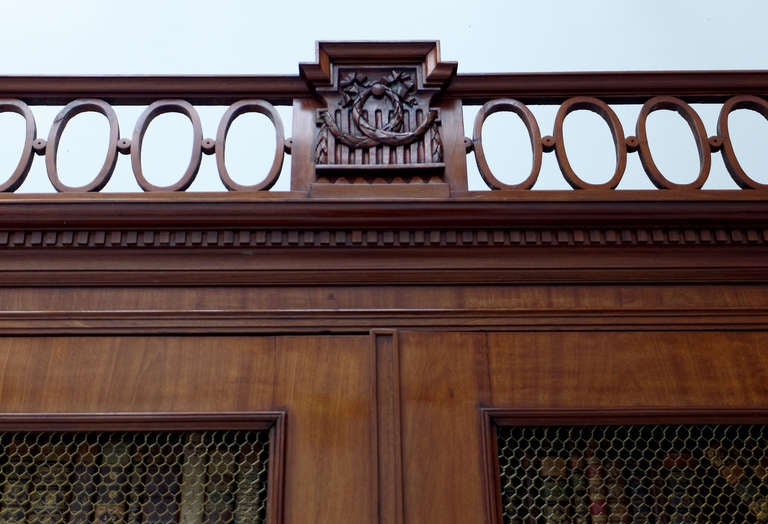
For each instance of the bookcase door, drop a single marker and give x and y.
(450, 378)
(631, 465)
(321, 383)
(385, 427)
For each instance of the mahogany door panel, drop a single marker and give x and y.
(340, 452)
(444, 381)
(678, 369)
(137, 374)
(446, 378)
(323, 383)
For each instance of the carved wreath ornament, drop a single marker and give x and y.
(398, 88)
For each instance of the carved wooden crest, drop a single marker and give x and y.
(378, 124)
(388, 98)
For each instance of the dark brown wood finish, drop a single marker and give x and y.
(684, 369)
(477, 209)
(624, 416)
(493, 418)
(389, 318)
(210, 240)
(639, 307)
(471, 88)
(444, 380)
(626, 87)
(100, 382)
(171, 421)
(560, 378)
(143, 90)
(388, 427)
(330, 460)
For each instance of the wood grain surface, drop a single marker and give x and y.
(322, 383)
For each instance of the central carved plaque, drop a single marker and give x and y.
(377, 124)
(378, 118)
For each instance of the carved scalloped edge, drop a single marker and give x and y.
(383, 238)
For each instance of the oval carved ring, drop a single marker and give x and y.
(27, 154)
(54, 136)
(520, 109)
(153, 110)
(617, 133)
(729, 155)
(235, 110)
(699, 134)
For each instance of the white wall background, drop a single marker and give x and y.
(97, 37)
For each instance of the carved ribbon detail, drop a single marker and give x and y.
(357, 91)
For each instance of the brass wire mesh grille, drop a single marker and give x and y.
(633, 474)
(134, 477)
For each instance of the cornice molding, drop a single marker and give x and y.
(408, 237)
(421, 53)
(360, 321)
(99, 240)
(489, 210)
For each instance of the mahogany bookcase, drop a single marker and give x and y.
(380, 317)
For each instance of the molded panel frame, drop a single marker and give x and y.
(273, 421)
(492, 418)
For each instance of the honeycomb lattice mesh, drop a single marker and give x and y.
(634, 474)
(134, 477)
